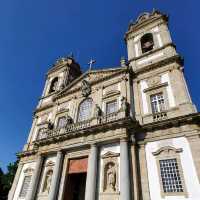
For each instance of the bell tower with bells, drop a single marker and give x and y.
(160, 90)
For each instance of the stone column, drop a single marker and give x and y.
(56, 176)
(90, 191)
(35, 179)
(135, 192)
(15, 182)
(125, 193)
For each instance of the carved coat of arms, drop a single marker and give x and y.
(86, 88)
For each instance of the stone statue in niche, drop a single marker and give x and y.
(110, 170)
(69, 120)
(50, 125)
(111, 178)
(97, 111)
(55, 86)
(86, 88)
(47, 182)
(125, 105)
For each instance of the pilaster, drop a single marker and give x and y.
(144, 183)
(35, 179)
(56, 176)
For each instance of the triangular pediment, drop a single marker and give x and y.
(91, 77)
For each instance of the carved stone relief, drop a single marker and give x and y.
(109, 182)
(47, 178)
(154, 81)
(85, 88)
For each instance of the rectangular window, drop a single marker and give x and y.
(111, 107)
(170, 176)
(157, 103)
(25, 186)
(61, 122)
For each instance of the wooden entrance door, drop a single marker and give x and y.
(75, 189)
(76, 179)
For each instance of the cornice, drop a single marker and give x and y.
(176, 58)
(152, 51)
(50, 105)
(127, 122)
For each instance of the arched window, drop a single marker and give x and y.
(147, 42)
(85, 110)
(54, 85)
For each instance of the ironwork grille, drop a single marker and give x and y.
(170, 174)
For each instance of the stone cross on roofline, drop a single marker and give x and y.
(91, 63)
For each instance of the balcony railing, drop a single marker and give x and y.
(81, 125)
(159, 116)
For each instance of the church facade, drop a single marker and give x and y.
(124, 133)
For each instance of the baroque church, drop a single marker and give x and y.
(125, 133)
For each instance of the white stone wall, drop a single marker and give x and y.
(189, 171)
(21, 179)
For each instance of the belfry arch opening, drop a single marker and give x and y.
(147, 42)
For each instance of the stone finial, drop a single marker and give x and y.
(71, 56)
(123, 62)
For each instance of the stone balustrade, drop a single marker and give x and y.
(82, 125)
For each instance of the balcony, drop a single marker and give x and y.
(159, 116)
(80, 126)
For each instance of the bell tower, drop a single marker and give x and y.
(160, 90)
(60, 75)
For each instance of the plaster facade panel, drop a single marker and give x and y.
(192, 185)
(30, 165)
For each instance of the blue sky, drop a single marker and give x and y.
(33, 34)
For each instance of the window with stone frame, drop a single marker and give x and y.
(147, 42)
(157, 103)
(170, 171)
(85, 110)
(25, 186)
(61, 122)
(111, 107)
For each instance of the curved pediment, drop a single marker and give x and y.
(167, 150)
